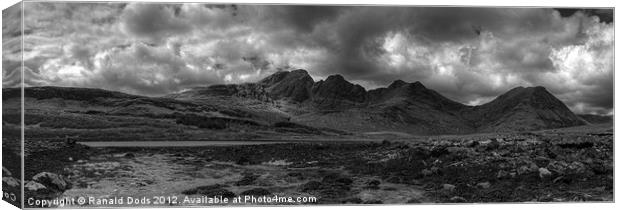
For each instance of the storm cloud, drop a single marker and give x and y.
(471, 55)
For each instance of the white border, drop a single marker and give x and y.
(526, 3)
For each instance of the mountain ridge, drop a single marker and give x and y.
(403, 106)
(337, 103)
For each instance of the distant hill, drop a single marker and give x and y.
(597, 119)
(530, 108)
(88, 114)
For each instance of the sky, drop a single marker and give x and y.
(468, 54)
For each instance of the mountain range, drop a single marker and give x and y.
(401, 106)
(286, 104)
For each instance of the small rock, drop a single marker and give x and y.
(448, 187)
(523, 170)
(211, 191)
(427, 172)
(10, 181)
(394, 179)
(374, 182)
(577, 167)
(600, 189)
(34, 186)
(247, 179)
(472, 143)
(311, 186)
(257, 192)
(484, 185)
(557, 166)
(140, 184)
(6, 172)
(295, 174)
(543, 172)
(414, 200)
(129, 155)
(344, 181)
(494, 144)
(502, 174)
(353, 200)
(375, 201)
(243, 161)
(458, 199)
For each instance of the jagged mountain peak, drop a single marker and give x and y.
(397, 83)
(285, 75)
(294, 85)
(400, 83)
(416, 86)
(300, 71)
(336, 77)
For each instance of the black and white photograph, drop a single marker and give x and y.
(171, 104)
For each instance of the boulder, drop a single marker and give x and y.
(414, 200)
(336, 178)
(247, 179)
(311, 186)
(577, 167)
(502, 174)
(458, 199)
(543, 172)
(374, 182)
(353, 200)
(6, 172)
(374, 201)
(257, 192)
(10, 181)
(526, 169)
(52, 181)
(448, 187)
(34, 186)
(558, 167)
(211, 191)
(484, 185)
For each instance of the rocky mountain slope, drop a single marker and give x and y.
(85, 114)
(522, 108)
(405, 107)
(596, 119)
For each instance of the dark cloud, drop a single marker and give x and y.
(605, 15)
(152, 21)
(303, 18)
(469, 54)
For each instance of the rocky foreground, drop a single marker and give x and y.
(549, 166)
